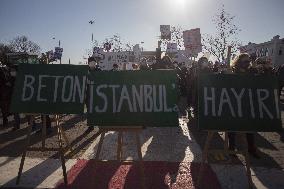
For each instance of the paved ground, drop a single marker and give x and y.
(171, 156)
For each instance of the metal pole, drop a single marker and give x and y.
(229, 56)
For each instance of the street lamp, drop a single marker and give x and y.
(59, 44)
(142, 42)
(91, 22)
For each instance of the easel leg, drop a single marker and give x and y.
(119, 146)
(140, 159)
(43, 133)
(100, 146)
(59, 134)
(226, 142)
(244, 139)
(138, 146)
(25, 152)
(64, 136)
(204, 156)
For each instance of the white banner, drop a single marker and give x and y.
(171, 47)
(107, 59)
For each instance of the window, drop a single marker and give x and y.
(266, 52)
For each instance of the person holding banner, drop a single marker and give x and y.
(182, 74)
(242, 65)
(201, 67)
(93, 66)
(165, 63)
(280, 76)
(7, 79)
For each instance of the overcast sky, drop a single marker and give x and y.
(133, 20)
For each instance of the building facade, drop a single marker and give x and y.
(272, 50)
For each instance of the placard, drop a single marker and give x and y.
(133, 98)
(165, 32)
(192, 41)
(50, 88)
(232, 102)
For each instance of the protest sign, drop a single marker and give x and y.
(58, 53)
(132, 98)
(192, 41)
(49, 89)
(165, 32)
(232, 102)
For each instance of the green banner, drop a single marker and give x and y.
(132, 98)
(49, 88)
(231, 102)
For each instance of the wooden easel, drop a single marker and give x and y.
(137, 130)
(226, 151)
(61, 150)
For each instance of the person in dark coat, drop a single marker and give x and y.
(280, 76)
(7, 80)
(165, 63)
(241, 65)
(93, 67)
(202, 66)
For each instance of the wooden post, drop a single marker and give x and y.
(64, 136)
(43, 132)
(226, 142)
(227, 151)
(229, 52)
(204, 156)
(142, 172)
(61, 153)
(120, 131)
(60, 133)
(247, 161)
(119, 146)
(100, 146)
(26, 148)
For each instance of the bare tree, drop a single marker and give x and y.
(128, 47)
(116, 42)
(177, 37)
(95, 43)
(23, 44)
(4, 49)
(117, 45)
(225, 36)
